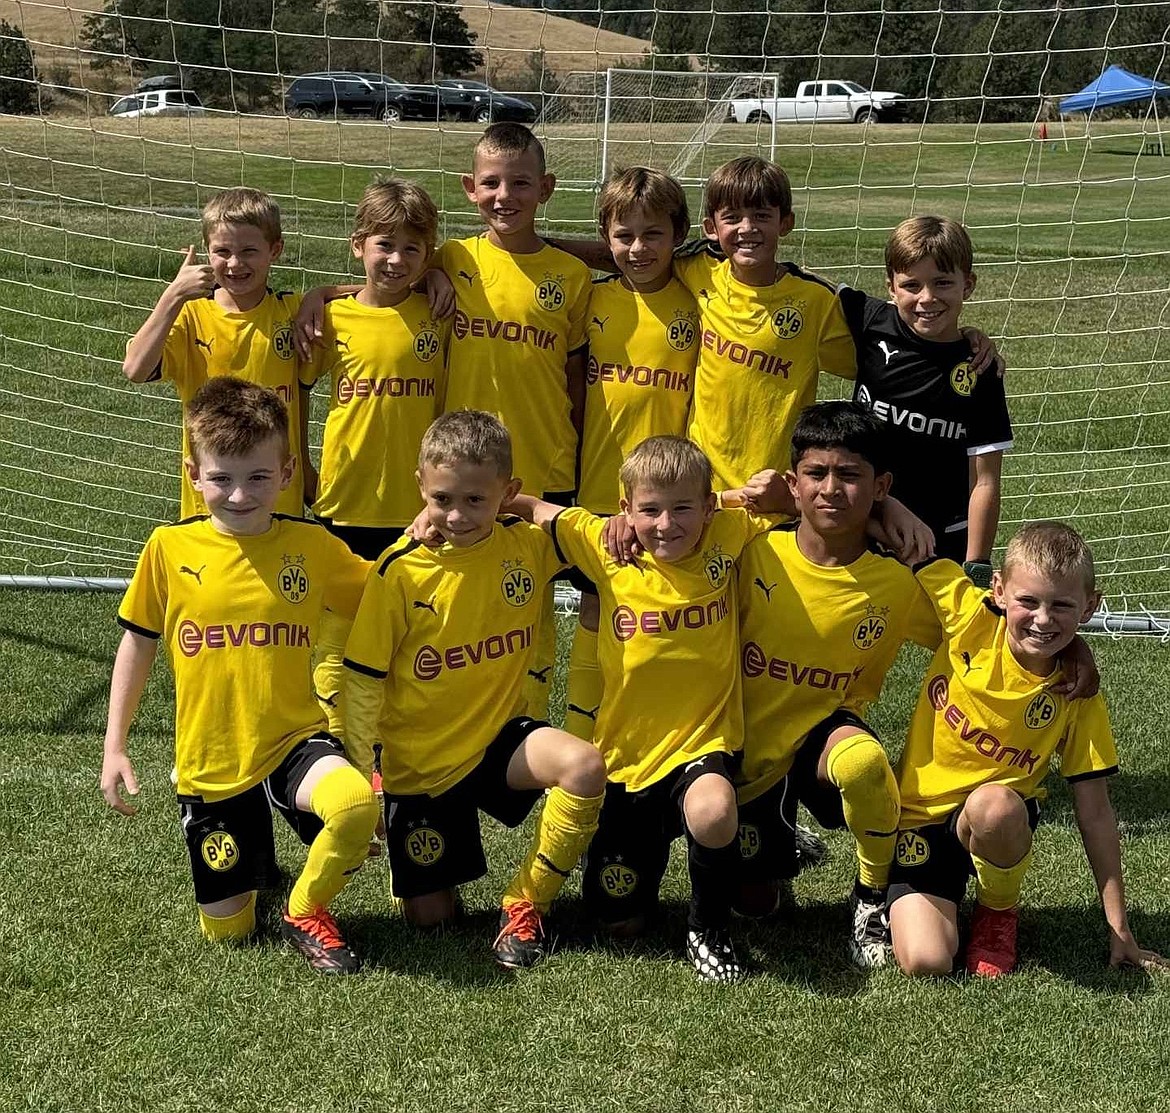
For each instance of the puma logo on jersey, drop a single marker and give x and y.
(967, 661)
(767, 589)
(202, 343)
(705, 294)
(887, 351)
(341, 343)
(470, 277)
(429, 605)
(328, 701)
(191, 572)
(582, 711)
(540, 675)
(600, 322)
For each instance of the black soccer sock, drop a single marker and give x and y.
(714, 874)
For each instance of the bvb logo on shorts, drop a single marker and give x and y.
(424, 846)
(550, 294)
(867, 632)
(681, 332)
(220, 851)
(426, 345)
(282, 342)
(912, 850)
(717, 564)
(1041, 711)
(749, 841)
(292, 580)
(787, 322)
(517, 585)
(963, 379)
(618, 880)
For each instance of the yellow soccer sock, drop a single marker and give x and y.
(239, 925)
(328, 672)
(563, 830)
(998, 887)
(347, 806)
(538, 682)
(584, 689)
(858, 766)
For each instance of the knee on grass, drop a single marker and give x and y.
(228, 920)
(757, 900)
(434, 910)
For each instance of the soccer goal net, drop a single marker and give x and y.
(120, 118)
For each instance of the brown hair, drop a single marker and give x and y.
(943, 241)
(389, 204)
(647, 189)
(1052, 549)
(467, 436)
(665, 462)
(509, 139)
(242, 205)
(748, 183)
(231, 417)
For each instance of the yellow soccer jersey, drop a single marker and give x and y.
(257, 346)
(981, 718)
(517, 319)
(668, 647)
(451, 632)
(387, 378)
(239, 618)
(815, 639)
(761, 348)
(642, 352)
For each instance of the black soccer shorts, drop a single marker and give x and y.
(434, 842)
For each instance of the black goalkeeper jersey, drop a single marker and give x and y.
(938, 413)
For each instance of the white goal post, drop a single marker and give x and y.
(1072, 238)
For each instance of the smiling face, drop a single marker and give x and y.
(393, 262)
(241, 491)
(1043, 613)
(834, 490)
(642, 241)
(508, 189)
(929, 299)
(241, 258)
(749, 236)
(462, 499)
(669, 520)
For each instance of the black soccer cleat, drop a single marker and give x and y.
(712, 954)
(520, 943)
(319, 940)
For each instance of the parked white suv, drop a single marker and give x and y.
(159, 102)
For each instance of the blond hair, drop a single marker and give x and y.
(938, 238)
(1053, 550)
(389, 205)
(231, 417)
(748, 183)
(242, 205)
(640, 187)
(511, 140)
(467, 437)
(666, 462)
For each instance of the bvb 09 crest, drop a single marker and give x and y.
(912, 849)
(292, 580)
(282, 342)
(1040, 712)
(518, 583)
(618, 880)
(717, 564)
(219, 851)
(424, 846)
(681, 332)
(867, 632)
(426, 345)
(787, 322)
(550, 293)
(962, 379)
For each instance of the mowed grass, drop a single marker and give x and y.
(111, 1000)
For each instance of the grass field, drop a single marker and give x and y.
(111, 1000)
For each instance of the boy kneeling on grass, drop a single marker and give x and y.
(237, 596)
(986, 726)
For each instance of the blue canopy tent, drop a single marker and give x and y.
(1117, 86)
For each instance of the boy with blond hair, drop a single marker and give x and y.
(436, 663)
(222, 318)
(237, 595)
(383, 352)
(671, 715)
(642, 338)
(986, 727)
(947, 426)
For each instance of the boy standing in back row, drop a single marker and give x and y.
(221, 318)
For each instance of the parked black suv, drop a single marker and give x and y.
(473, 100)
(350, 93)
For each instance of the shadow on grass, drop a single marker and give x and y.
(1070, 942)
(78, 703)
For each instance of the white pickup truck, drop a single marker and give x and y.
(843, 101)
